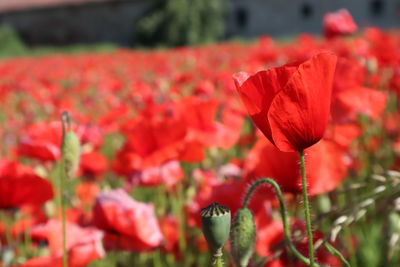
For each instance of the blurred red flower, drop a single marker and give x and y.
(87, 191)
(42, 261)
(290, 104)
(350, 98)
(326, 166)
(338, 23)
(93, 164)
(42, 141)
(170, 229)
(150, 142)
(322, 255)
(130, 224)
(20, 186)
(83, 245)
(28, 216)
(167, 174)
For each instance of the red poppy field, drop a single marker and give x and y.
(165, 133)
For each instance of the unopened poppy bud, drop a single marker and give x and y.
(216, 224)
(242, 237)
(70, 153)
(70, 148)
(372, 65)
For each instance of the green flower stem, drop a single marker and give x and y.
(181, 216)
(66, 125)
(331, 249)
(63, 216)
(306, 207)
(6, 217)
(217, 258)
(286, 228)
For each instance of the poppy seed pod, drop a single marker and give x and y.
(242, 237)
(70, 153)
(216, 223)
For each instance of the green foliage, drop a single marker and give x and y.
(10, 42)
(11, 45)
(182, 22)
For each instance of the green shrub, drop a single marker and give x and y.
(182, 22)
(10, 43)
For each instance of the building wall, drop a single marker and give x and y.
(113, 21)
(278, 17)
(87, 23)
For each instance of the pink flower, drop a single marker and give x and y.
(116, 211)
(338, 23)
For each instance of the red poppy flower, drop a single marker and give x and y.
(83, 244)
(204, 87)
(170, 229)
(269, 231)
(350, 98)
(20, 186)
(358, 101)
(394, 83)
(199, 114)
(150, 142)
(290, 104)
(29, 216)
(87, 192)
(42, 261)
(42, 141)
(384, 47)
(343, 134)
(271, 243)
(338, 23)
(168, 174)
(93, 164)
(326, 166)
(90, 134)
(115, 211)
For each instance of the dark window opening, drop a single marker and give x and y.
(242, 17)
(376, 7)
(306, 10)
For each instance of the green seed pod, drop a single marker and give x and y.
(242, 237)
(70, 153)
(372, 65)
(216, 224)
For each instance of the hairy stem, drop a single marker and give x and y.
(306, 207)
(331, 249)
(63, 216)
(286, 228)
(217, 258)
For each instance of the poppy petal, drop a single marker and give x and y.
(258, 91)
(299, 113)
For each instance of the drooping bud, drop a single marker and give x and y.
(216, 223)
(70, 149)
(242, 237)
